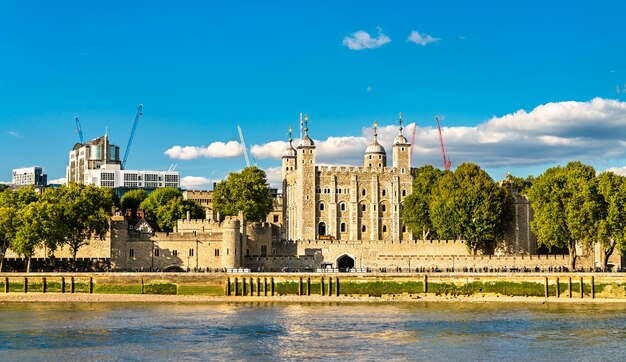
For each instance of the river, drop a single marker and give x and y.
(276, 331)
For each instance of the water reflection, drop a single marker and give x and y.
(266, 331)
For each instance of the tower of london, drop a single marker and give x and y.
(358, 203)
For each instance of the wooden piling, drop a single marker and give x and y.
(251, 286)
(6, 284)
(265, 286)
(258, 287)
(72, 285)
(143, 286)
(547, 294)
(308, 286)
(25, 285)
(236, 287)
(582, 288)
(62, 284)
(337, 286)
(227, 291)
(330, 286)
(44, 285)
(558, 289)
(425, 283)
(322, 286)
(570, 287)
(300, 286)
(90, 285)
(272, 286)
(593, 287)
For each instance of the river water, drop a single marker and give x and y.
(271, 331)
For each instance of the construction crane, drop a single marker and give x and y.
(446, 163)
(245, 149)
(79, 130)
(412, 142)
(132, 134)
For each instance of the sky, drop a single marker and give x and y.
(518, 86)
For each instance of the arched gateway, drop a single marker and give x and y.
(345, 262)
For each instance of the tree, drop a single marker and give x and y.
(612, 219)
(522, 185)
(566, 206)
(468, 203)
(165, 206)
(11, 202)
(245, 191)
(132, 200)
(38, 226)
(416, 206)
(85, 213)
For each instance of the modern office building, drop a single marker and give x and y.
(27, 176)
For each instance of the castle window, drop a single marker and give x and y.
(384, 193)
(370, 157)
(275, 218)
(380, 165)
(217, 252)
(227, 251)
(363, 192)
(403, 229)
(384, 228)
(383, 208)
(342, 227)
(402, 148)
(131, 253)
(156, 252)
(190, 252)
(363, 228)
(342, 206)
(321, 206)
(174, 252)
(380, 157)
(403, 193)
(370, 165)
(363, 208)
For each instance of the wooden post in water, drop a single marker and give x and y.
(546, 288)
(6, 284)
(593, 287)
(244, 287)
(25, 285)
(258, 287)
(143, 286)
(570, 287)
(90, 285)
(62, 284)
(337, 286)
(582, 288)
(322, 286)
(72, 285)
(308, 285)
(227, 292)
(236, 287)
(558, 289)
(251, 286)
(265, 286)
(44, 285)
(425, 283)
(330, 286)
(272, 286)
(300, 286)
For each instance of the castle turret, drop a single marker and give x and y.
(375, 155)
(401, 150)
(231, 239)
(289, 157)
(306, 228)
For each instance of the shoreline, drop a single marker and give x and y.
(196, 299)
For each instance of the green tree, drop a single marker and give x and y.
(11, 202)
(132, 200)
(522, 185)
(468, 203)
(245, 191)
(566, 207)
(165, 206)
(85, 214)
(612, 219)
(416, 206)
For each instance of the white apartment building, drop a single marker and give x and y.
(97, 162)
(29, 176)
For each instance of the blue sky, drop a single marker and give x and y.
(202, 68)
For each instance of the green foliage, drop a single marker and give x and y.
(415, 208)
(522, 185)
(244, 191)
(611, 225)
(201, 290)
(377, 289)
(165, 206)
(132, 199)
(566, 207)
(160, 288)
(116, 289)
(469, 204)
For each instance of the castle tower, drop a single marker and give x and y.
(401, 151)
(231, 240)
(375, 155)
(305, 185)
(289, 159)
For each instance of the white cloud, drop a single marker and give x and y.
(14, 134)
(617, 170)
(421, 38)
(196, 182)
(61, 181)
(363, 40)
(269, 150)
(230, 149)
(275, 177)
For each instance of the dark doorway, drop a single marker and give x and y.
(321, 229)
(345, 263)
